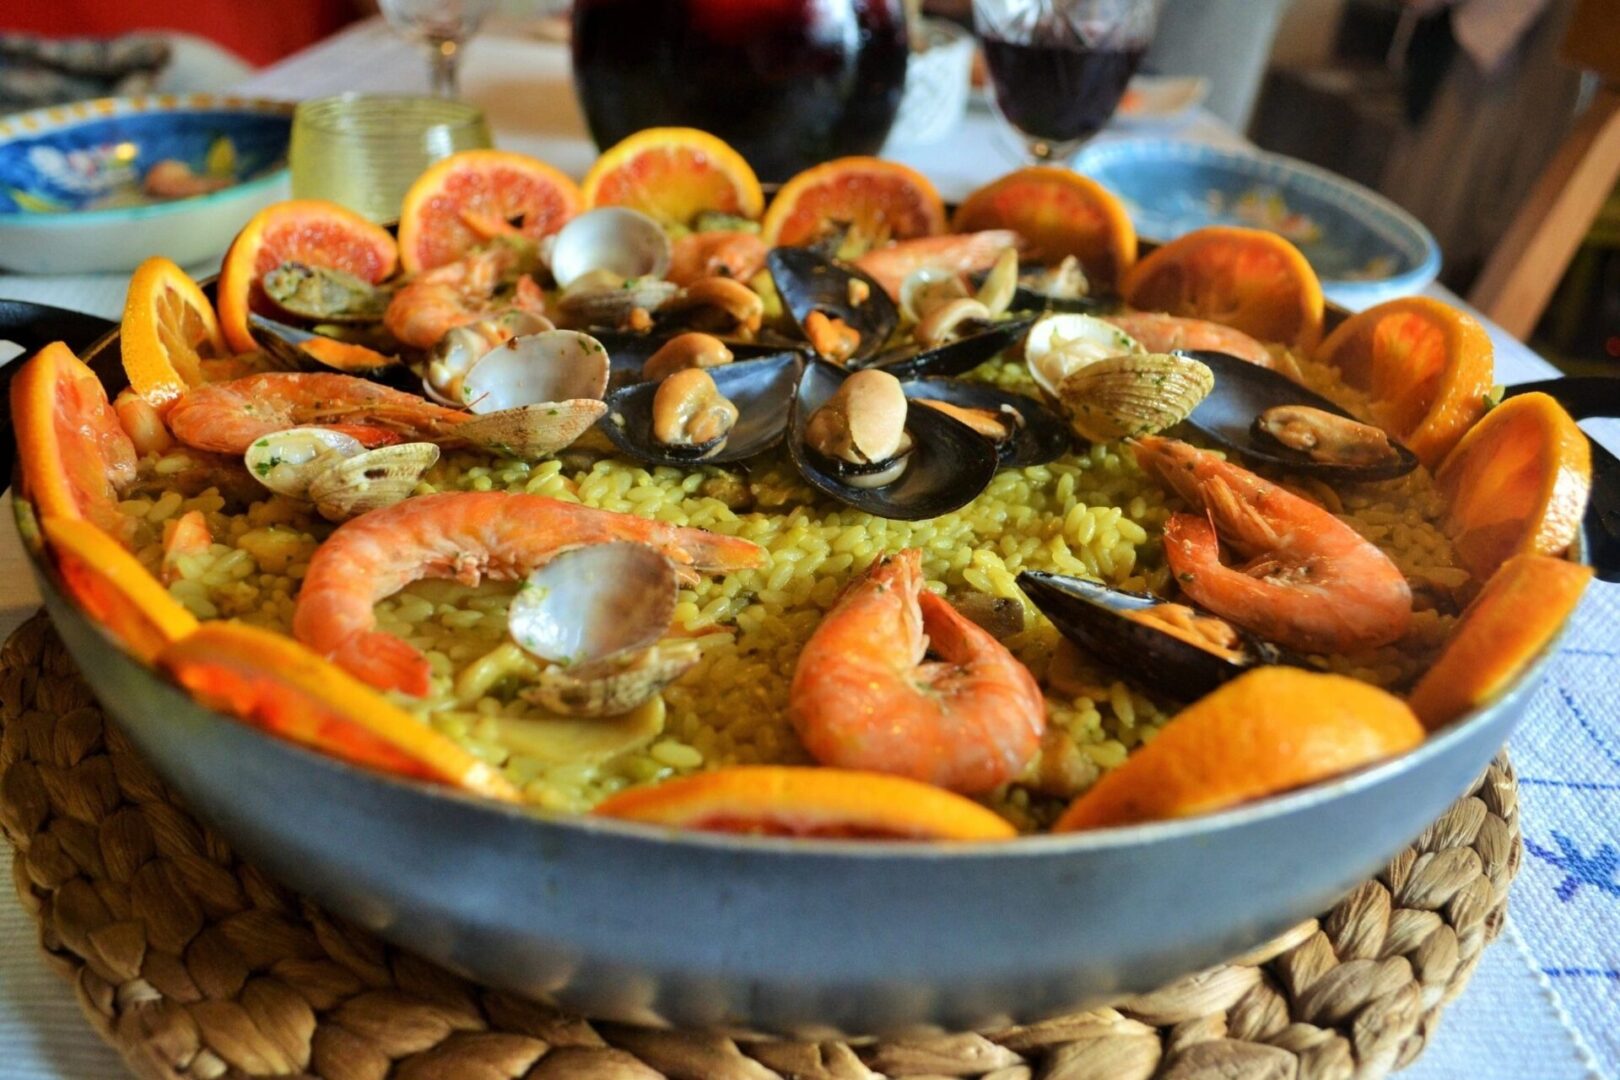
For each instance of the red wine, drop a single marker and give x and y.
(1059, 91)
(789, 83)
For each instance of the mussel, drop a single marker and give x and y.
(715, 305)
(1022, 430)
(1241, 415)
(629, 353)
(844, 314)
(861, 443)
(296, 349)
(325, 294)
(596, 614)
(1154, 643)
(1062, 288)
(957, 356)
(760, 389)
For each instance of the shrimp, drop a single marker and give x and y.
(961, 253)
(1311, 582)
(864, 697)
(461, 292)
(228, 417)
(725, 253)
(1160, 333)
(464, 535)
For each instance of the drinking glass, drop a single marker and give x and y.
(364, 150)
(1059, 67)
(441, 25)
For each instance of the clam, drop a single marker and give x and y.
(854, 437)
(604, 298)
(843, 313)
(287, 461)
(1155, 643)
(761, 390)
(716, 305)
(596, 614)
(626, 243)
(295, 349)
(1059, 345)
(325, 294)
(1249, 412)
(1022, 430)
(535, 394)
(463, 346)
(370, 481)
(1135, 394)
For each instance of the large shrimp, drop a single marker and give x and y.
(461, 292)
(717, 253)
(1160, 333)
(959, 253)
(1311, 582)
(466, 536)
(228, 417)
(864, 697)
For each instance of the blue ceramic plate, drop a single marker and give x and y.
(1364, 248)
(70, 179)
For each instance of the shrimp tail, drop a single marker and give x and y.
(368, 435)
(384, 661)
(716, 553)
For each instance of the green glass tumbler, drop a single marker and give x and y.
(363, 151)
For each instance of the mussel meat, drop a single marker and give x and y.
(295, 349)
(689, 350)
(1326, 437)
(691, 417)
(716, 305)
(859, 432)
(1022, 430)
(325, 293)
(760, 389)
(853, 316)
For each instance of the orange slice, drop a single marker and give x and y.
(1062, 213)
(1265, 732)
(1509, 624)
(276, 684)
(1426, 367)
(168, 330)
(1517, 482)
(784, 800)
(114, 589)
(304, 230)
(879, 201)
(674, 174)
(1249, 279)
(74, 452)
(467, 198)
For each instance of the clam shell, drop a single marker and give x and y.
(552, 366)
(612, 303)
(616, 686)
(532, 432)
(762, 389)
(809, 282)
(372, 480)
(592, 603)
(625, 242)
(1059, 345)
(463, 346)
(1041, 436)
(1126, 396)
(287, 461)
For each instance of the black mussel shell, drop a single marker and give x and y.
(1243, 391)
(1041, 437)
(954, 357)
(808, 281)
(949, 464)
(283, 345)
(628, 352)
(762, 389)
(1092, 616)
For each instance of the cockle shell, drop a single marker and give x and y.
(1135, 394)
(287, 461)
(372, 480)
(1059, 345)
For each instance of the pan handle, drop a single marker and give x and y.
(34, 326)
(1586, 397)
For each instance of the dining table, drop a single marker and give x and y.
(1545, 998)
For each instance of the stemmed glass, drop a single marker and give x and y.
(444, 27)
(1059, 67)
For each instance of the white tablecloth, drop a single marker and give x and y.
(1544, 1001)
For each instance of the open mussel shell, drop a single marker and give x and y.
(1037, 434)
(624, 242)
(1243, 391)
(949, 463)
(1096, 618)
(292, 348)
(628, 352)
(762, 389)
(809, 282)
(954, 357)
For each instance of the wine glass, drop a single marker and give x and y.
(1059, 67)
(443, 26)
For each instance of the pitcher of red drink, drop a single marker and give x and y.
(789, 83)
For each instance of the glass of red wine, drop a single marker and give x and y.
(1059, 67)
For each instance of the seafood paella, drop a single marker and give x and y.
(836, 517)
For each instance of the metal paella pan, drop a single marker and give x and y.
(645, 923)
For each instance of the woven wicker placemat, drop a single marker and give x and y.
(193, 964)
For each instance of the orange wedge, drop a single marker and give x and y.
(469, 197)
(1509, 624)
(114, 589)
(1516, 483)
(303, 230)
(879, 201)
(674, 174)
(1426, 366)
(1248, 279)
(1263, 733)
(74, 453)
(783, 800)
(168, 330)
(1062, 213)
(276, 684)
